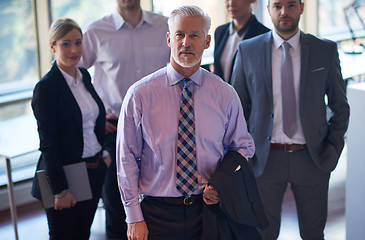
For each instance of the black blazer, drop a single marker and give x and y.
(59, 123)
(221, 35)
(240, 209)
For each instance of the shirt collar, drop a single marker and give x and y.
(119, 20)
(242, 30)
(69, 79)
(294, 41)
(231, 30)
(174, 77)
(146, 18)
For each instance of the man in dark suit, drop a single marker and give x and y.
(244, 25)
(301, 145)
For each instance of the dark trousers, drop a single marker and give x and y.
(309, 185)
(116, 227)
(167, 220)
(75, 223)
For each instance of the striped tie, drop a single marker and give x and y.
(186, 177)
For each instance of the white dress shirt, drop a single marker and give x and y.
(122, 54)
(278, 135)
(89, 111)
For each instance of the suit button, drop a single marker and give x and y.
(272, 115)
(269, 138)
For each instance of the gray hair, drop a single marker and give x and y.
(190, 11)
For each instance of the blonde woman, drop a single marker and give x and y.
(71, 127)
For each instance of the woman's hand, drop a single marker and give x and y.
(210, 195)
(64, 200)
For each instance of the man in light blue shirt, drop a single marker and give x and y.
(123, 47)
(148, 130)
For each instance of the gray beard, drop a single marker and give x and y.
(184, 64)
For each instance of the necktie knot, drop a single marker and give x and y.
(186, 82)
(286, 47)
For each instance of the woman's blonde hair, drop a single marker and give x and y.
(61, 27)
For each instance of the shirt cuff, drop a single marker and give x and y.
(134, 214)
(243, 153)
(105, 153)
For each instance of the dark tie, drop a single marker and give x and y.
(288, 93)
(186, 177)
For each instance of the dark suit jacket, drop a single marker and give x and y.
(240, 209)
(59, 123)
(320, 76)
(221, 35)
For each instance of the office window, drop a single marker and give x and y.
(17, 41)
(18, 59)
(82, 11)
(18, 74)
(336, 17)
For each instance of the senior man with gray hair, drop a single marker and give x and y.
(174, 128)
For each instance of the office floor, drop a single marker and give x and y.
(32, 223)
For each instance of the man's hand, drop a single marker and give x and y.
(137, 231)
(210, 195)
(109, 127)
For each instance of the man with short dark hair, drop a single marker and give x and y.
(283, 78)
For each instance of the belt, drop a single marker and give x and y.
(92, 162)
(288, 147)
(178, 201)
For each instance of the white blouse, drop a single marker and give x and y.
(89, 110)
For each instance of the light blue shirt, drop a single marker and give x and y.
(148, 126)
(121, 54)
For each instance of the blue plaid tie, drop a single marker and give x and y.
(186, 177)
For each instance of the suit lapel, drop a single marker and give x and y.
(222, 42)
(91, 90)
(252, 30)
(304, 64)
(267, 65)
(68, 98)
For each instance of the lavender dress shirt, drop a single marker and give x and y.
(148, 126)
(123, 55)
